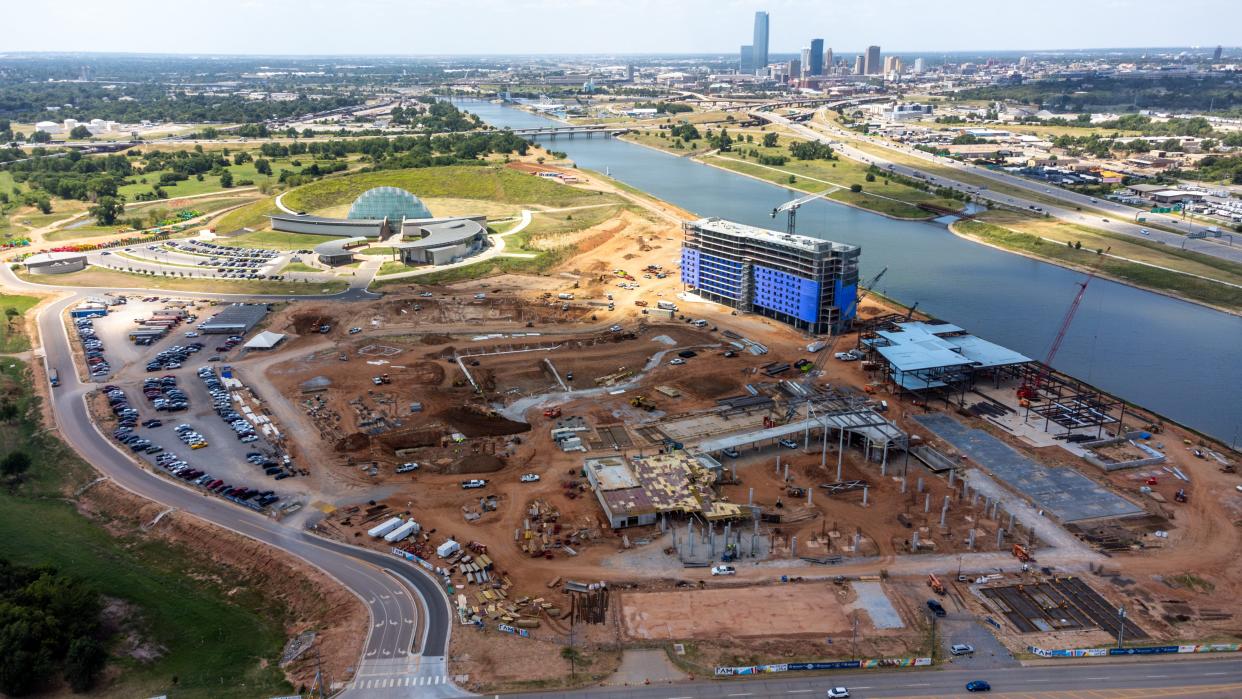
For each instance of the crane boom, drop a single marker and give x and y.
(1069, 318)
(791, 207)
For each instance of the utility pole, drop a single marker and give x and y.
(1121, 628)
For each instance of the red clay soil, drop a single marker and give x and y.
(474, 424)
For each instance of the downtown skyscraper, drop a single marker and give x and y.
(759, 50)
(817, 57)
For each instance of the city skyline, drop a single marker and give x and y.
(592, 28)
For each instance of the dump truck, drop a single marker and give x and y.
(552, 412)
(642, 402)
(1020, 553)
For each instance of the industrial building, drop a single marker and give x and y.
(55, 262)
(398, 217)
(236, 319)
(809, 283)
(635, 492)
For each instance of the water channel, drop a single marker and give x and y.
(1180, 359)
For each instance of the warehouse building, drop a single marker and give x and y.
(809, 283)
(237, 319)
(55, 262)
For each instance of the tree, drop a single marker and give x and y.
(263, 166)
(40, 137)
(770, 140)
(856, 188)
(573, 656)
(107, 210)
(83, 663)
(80, 133)
(226, 179)
(15, 463)
(10, 313)
(870, 177)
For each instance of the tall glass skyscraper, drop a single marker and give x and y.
(759, 55)
(817, 57)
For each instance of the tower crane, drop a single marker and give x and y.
(1030, 388)
(791, 207)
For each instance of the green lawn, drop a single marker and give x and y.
(218, 640)
(275, 240)
(379, 250)
(11, 339)
(111, 278)
(881, 195)
(393, 268)
(1140, 275)
(494, 183)
(252, 216)
(299, 267)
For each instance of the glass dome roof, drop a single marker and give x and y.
(391, 203)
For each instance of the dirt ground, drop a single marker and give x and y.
(790, 610)
(357, 431)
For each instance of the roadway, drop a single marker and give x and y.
(1077, 208)
(404, 654)
(1182, 678)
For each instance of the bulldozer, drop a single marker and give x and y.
(643, 402)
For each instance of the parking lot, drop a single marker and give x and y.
(176, 412)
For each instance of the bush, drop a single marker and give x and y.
(856, 188)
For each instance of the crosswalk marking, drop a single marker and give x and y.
(400, 681)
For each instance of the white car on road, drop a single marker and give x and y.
(838, 693)
(724, 570)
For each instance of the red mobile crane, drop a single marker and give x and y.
(1030, 389)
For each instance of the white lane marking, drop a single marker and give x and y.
(1156, 677)
(1039, 680)
(921, 684)
(1215, 674)
(799, 691)
(740, 694)
(1099, 678)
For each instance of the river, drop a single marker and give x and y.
(1180, 359)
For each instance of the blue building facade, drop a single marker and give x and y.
(811, 284)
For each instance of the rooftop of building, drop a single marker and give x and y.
(919, 346)
(801, 242)
(676, 482)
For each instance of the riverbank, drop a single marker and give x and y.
(1127, 272)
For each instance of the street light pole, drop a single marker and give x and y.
(1121, 628)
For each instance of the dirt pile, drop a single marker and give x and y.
(476, 424)
(475, 463)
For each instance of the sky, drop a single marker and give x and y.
(421, 27)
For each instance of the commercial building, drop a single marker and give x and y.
(805, 63)
(398, 217)
(746, 60)
(860, 64)
(760, 42)
(635, 492)
(918, 356)
(920, 66)
(816, 59)
(55, 262)
(235, 319)
(910, 111)
(892, 65)
(827, 62)
(871, 61)
(809, 283)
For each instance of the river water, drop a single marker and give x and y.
(1177, 358)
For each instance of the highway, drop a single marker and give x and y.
(405, 651)
(1077, 208)
(1209, 679)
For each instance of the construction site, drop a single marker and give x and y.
(578, 464)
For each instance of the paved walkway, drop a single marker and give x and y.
(496, 250)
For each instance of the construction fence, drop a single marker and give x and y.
(866, 664)
(1140, 650)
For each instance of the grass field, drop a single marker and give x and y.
(299, 267)
(1047, 130)
(11, 338)
(492, 183)
(111, 278)
(1140, 275)
(219, 641)
(274, 240)
(253, 216)
(883, 196)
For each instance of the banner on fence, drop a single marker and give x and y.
(513, 630)
(738, 671)
(1138, 650)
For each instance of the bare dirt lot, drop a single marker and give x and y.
(789, 610)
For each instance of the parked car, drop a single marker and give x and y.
(355, 331)
(407, 467)
(789, 444)
(961, 649)
(473, 483)
(529, 477)
(724, 570)
(730, 452)
(677, 361)
(936, 607)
